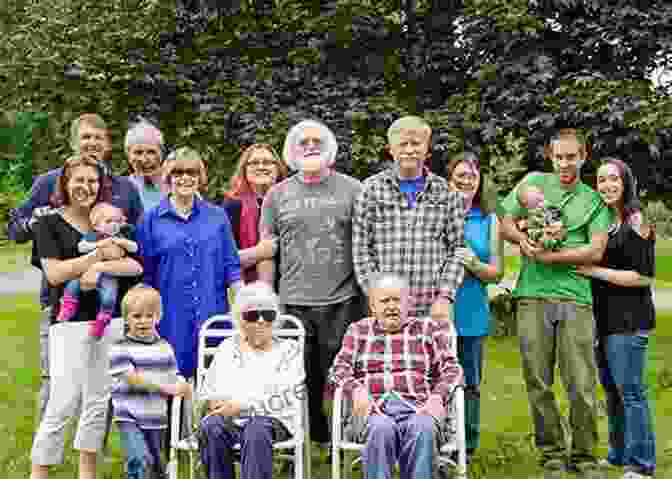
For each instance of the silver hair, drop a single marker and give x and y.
(414, 123)
(294, 136)
(388, 280)
(137, 134)
(255, 296)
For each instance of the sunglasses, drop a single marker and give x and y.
(268, 315)
(193, 172)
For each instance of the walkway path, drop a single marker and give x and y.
(28, 281)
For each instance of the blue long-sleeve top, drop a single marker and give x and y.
(191, 262)
(124, 196)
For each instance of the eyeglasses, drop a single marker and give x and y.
(193, 172)
(267, 315)
(258, 164)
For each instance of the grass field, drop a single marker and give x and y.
(14, 257)
(506, 442)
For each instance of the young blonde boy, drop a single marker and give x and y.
(145, 370)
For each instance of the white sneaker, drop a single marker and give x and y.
(634, 475)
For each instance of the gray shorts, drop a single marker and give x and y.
(79, 371)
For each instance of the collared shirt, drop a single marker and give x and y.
(124, 196)
(419, 360)
(417, 243)
(150, 194)
(191, 261)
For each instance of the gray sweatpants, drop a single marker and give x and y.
(79, 372)
(45, 320)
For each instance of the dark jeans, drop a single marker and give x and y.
(621, 360)
(218, 435)
(325, 328)
(470, 355)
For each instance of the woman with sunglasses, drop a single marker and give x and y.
(258, 169)
(189, 255)
(251, 413)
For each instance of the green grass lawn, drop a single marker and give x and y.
(506, 451)
(14, 257)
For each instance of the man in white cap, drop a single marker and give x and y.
(143, 145)
(311, 213)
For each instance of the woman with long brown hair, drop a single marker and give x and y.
(259, 168)
(78, 365)
(483, 260)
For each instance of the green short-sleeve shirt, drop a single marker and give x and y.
(584, 214)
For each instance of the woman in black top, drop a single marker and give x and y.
(78, 362)
(258, 169)
(625, 317)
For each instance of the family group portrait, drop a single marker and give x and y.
(361, 239)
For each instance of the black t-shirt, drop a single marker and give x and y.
(56, 238)
(620, 309)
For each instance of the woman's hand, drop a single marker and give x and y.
(266, 248)
(89, 280)
(467, 257)
(111, 251)
(555, 231)
(585, 270)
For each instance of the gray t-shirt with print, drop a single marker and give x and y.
(313, 223)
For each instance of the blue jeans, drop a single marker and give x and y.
(107, 288)
(621, 360)
(470, 355)
(143, 450)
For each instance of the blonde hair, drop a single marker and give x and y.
(406, 123)
(187, 154)
(138, 296)
(99, 209)
(93, 120)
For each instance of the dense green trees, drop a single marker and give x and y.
(494, 75)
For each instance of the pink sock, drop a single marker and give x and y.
(69, 307)
(97, 328)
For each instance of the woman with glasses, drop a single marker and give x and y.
(483, 260)
(253, 414)
(258, 169)
(189, 255)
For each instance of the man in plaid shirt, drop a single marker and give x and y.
(407, 221)
(399, 371)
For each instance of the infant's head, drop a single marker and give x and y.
(106, 218)
(530, 197)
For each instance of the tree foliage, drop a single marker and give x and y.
(491, 75)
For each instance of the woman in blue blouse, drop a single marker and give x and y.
(189, 255)
(483, 260)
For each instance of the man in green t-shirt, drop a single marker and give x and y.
(554, 310)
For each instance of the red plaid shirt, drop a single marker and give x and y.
(419, 360)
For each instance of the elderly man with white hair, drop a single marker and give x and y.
(253, 387)
(311, 215)
(400, 371)
(143, 145)
(407, 221)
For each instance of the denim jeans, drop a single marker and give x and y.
(621, 359)
(143, 451)
(470, 355)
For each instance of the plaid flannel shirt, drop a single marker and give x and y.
(417, 243)
(419, 360)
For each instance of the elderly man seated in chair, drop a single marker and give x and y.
(253, 388)
(399, 371)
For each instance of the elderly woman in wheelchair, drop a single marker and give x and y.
(251, 391)
(399, 372)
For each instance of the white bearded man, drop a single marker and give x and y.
(311, 214)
